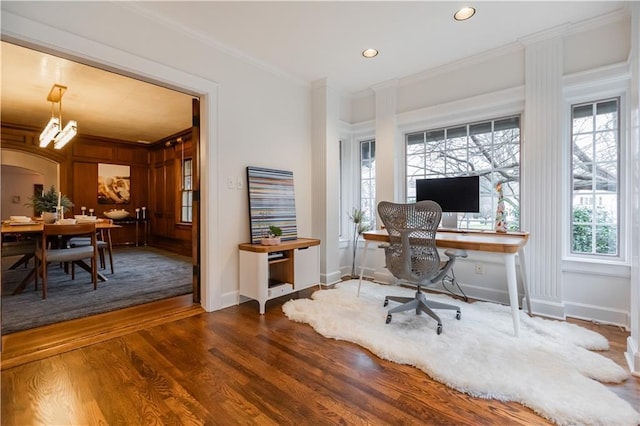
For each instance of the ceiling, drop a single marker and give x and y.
(304, 41)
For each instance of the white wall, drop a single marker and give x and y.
(492, 85)
(16, 191)
(250, 116)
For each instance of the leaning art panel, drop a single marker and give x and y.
(114, 182)
(271, 202)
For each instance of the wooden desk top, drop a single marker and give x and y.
(284, 245)
(37, 227)
(477, 240)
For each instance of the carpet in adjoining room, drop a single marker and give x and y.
(141, 275)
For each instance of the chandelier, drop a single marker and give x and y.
(52, 130)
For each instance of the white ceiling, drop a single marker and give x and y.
(305, 41)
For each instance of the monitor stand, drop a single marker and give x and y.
(450, 220)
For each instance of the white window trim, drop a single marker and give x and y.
(608, 82)
(351, 174)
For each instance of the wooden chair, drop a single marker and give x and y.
(104, 244)
(73, 255)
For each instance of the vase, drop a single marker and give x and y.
(49, 217)
(270, 241)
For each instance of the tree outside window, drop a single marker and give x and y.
(489, 149)
(594, 184)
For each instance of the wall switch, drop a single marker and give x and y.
(239, 183)
(231, 182)
(479, 269)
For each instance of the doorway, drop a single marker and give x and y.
(194, 267)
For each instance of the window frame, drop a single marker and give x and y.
(370, 220)
(467, 124)
(584, 92)
(182, 192)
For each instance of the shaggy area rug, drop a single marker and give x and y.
(550, 368)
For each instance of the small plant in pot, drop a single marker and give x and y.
(47, 204)
(272, 237)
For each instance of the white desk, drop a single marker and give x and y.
(507, 244)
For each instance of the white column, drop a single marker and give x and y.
(541, 173)
(325, 160)
(388, 174)
(633, 342)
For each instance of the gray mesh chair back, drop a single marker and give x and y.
(412, 255)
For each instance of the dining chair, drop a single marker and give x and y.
(46, 253)
(103, 241)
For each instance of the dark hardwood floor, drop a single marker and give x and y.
(235, 366)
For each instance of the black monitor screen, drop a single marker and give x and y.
(455, 195)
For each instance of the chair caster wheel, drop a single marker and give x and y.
(439, 329)
(388, 319)
(458, 315)
(386, 302)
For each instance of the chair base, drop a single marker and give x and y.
(419, 303)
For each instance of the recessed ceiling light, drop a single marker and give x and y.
(464, 13)
(370, 53)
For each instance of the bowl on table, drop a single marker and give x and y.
(116, 214)
(83, 218)
(19, 219)
(67, 222)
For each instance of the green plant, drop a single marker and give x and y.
(48, 201)
(274, 231)
(360, 225)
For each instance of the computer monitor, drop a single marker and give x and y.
(454, 194)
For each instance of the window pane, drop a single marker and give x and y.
(594, 212)
(368, 176)
(490, 149)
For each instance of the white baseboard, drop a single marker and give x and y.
(633, 357)
(331, 278)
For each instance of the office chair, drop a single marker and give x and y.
(412, 256)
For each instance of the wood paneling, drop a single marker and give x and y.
(155, 180)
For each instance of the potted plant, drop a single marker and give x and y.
(359, 226)
(272, 237)
(47, 204)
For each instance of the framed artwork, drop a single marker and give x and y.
(271, 202)
(114, 183)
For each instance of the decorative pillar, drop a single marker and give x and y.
(633, 341)
(325, 163)
(542, 179)
(388, 159)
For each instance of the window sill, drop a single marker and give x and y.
(611, 268)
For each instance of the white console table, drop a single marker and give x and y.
(267, 272)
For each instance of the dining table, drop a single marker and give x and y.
(36, 227)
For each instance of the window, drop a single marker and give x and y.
(186, 191)
(368, 181)
(594, 179)
(489, 149)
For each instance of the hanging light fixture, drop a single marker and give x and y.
(52, 130)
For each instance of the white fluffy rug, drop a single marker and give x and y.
(549, 368)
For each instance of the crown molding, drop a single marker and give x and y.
(140, 9)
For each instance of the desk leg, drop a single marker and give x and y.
(512, 284)
(523, 276)
(364, 262)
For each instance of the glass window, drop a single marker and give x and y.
(368, 181)
(489, 149)
(186, 191)
(595, 180)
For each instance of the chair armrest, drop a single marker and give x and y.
(451, 253)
